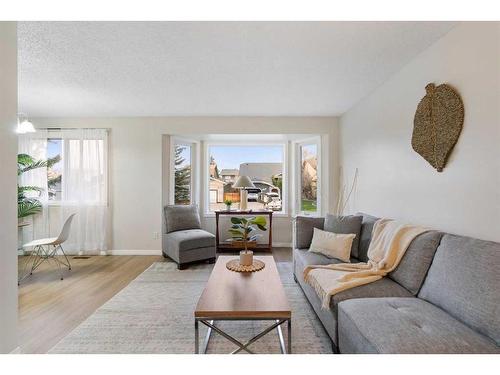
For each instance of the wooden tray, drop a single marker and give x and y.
(234, 265)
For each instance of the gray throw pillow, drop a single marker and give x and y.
(349, 224)
(180, 217)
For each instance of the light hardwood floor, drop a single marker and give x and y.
(50, 308)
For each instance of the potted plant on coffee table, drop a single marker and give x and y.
(242, 231)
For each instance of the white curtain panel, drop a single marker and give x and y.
(85, 188)
(35, 145)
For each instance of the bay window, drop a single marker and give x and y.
(204, 169)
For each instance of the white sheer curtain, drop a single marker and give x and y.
(35, 145)
(84, 187)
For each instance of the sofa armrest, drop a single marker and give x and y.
(303, 228)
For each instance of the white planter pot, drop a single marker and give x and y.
(246, 258)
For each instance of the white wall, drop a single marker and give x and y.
(8, 206)
(138, 188)
(394, 181)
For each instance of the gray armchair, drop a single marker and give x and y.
(183, 239)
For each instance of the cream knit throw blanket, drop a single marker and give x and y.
(390, 240)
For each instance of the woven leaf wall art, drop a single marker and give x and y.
(437, 124)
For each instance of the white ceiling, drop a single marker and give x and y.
(210, 68)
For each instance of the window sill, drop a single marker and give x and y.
(305, 214)
(74, 204)
(212, 215)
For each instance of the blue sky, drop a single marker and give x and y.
(309, 150)
(54, 147)
(186, 155)
(228, 157)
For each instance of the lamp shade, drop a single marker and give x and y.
(243, 182)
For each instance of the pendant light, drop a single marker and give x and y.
(24, 125)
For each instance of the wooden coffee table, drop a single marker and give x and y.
(243, 296)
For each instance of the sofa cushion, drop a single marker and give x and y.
(381, 288)
(185, 240)
(326, 316)
(306, 258)
(179, 217)
(414, 265)
(304, 227)
(464, 280)
(405, 325)
(365, 236)
(349, 224)
(384, 287)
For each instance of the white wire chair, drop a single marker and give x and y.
(45, 249)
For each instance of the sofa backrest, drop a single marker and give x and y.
(464, 280)
(365, 236)
(303, 230)
(411, 271)
(413, 267)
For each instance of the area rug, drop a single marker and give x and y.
(154, 314)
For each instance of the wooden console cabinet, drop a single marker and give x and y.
(260, 246)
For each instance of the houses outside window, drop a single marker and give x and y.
(263, 164)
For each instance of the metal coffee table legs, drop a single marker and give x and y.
(242, 346)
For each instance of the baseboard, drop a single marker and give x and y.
(133, 252)
(282, 244)
(158, 252)
(16, 350)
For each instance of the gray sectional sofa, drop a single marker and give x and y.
(444, 297)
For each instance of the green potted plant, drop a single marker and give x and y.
(228, 203)
(241, 231)
(27, 196)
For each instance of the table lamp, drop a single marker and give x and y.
(242, 183)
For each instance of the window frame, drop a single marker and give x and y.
(58, 133)
(314, 140)
(194, 190)
(206, 175)
(56, 202)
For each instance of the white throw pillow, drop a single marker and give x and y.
(333, 245)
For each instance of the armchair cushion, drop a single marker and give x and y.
(189, 245)
(184, 240)
(180, 217)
